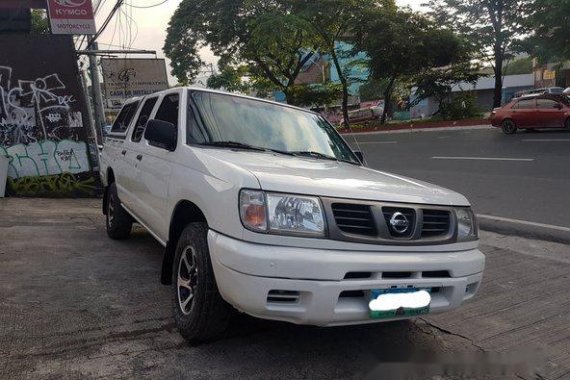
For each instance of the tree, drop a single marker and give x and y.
(333, 21)
(402, 45)
(518, 66)
(40, 24)
(230, 78)
(492, 26)
(549, 21)
(437, 83)
(267, 36)
(373, 89)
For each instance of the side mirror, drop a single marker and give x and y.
(161, 134)
(558, 106)
(360, 156)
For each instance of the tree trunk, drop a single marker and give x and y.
(344, 88)
(387, 100)
(498, 94)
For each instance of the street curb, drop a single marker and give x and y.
(530, 232)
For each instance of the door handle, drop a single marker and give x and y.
(139, 157)
(124, 152)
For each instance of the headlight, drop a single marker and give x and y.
(281, 213)
(466, 225)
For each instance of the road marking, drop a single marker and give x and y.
(524, 222)
(546, 140)
(377, 142)
(483, 158)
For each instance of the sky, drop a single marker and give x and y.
(145, 28)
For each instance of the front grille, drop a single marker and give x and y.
(435, 223)
(400, 231)
(377, 222)
(354, 219)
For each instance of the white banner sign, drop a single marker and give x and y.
(127, 78)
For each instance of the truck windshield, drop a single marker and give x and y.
(233, 121)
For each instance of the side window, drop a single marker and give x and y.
(525, 104)
(124, 118)
(140, 125)
(168, 110)
(547, 104)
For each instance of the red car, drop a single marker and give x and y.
(533, 111)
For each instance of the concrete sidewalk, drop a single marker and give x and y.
(77, 305)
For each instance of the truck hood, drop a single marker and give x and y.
(299, 175)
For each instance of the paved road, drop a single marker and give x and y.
(524, 177)
(77, 305)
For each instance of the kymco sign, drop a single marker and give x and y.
(71, 16)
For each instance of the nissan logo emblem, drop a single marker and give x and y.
(70, 3)
(399, 223)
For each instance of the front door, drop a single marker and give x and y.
(155, 169)
(551, 113)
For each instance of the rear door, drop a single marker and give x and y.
(134, 148)
(524, 113)
(116, 147)
(551, 113)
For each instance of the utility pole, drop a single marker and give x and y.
(98, 108)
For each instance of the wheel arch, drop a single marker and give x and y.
(185, 212)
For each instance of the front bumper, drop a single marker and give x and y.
(329, 287)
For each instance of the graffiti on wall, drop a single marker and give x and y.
(31, 111)
(46, 158)
(43, 126)
(39, 129)
(62, 185)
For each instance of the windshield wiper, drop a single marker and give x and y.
(239, 145)
(322, 156)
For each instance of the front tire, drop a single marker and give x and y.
(567, 124)
(118, 222)
(509, 127)
(200, 312)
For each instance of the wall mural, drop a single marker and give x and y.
(42, 128)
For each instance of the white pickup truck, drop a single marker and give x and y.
(264, 208)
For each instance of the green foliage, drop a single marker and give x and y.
(437, 83)
(269, 37)
(373, 89)
(40, 24)
(519, 66)
(334, 21)
(461, 106)
(230, 78)
(550, 23)
(492, 27)
(314, 95)
(404, 45)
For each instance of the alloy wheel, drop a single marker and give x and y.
(187, 279)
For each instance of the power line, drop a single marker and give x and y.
(148, 6)
(105, 23)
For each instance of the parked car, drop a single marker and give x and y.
(567, 91)
(364, 115)
(533, 112)
(264, 208)
(541, 91)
